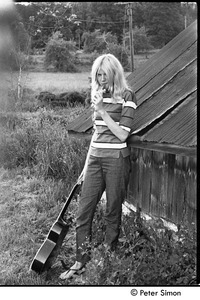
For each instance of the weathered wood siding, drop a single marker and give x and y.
(163, 185)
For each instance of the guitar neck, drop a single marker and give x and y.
(65, 206)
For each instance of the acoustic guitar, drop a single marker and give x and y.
(49, 250)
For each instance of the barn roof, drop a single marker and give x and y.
(165, 87)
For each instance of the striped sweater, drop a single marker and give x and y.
(105, 143)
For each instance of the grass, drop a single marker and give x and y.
(56, 82)
(148, 254)
(39, 80)
(30, 200)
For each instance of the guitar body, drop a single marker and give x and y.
(49, 250)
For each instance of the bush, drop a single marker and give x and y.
(67, 99)
(28, 101)
(148, 254)
(60, 54)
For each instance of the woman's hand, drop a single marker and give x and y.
(97, 101)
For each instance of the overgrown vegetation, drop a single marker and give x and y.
(148, 254)
(42, 142)
(60, 54)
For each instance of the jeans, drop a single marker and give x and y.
(103, 173)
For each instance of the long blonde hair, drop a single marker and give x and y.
(114, 72)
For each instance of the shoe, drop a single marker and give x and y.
(71, 273)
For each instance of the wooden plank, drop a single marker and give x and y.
(191, 191)
(146, 180)
(134, 178)
(140, 178)
(156, 183)
(170, 186)
(179, 191)
(164, 183)
(168, 148)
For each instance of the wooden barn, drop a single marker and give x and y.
(163, 176)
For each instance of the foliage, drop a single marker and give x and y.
(57, 155)
(21, 37)
(141, 42)
(120, 52)
(69, 99)
(96, 41)
(60, 54)
(103, 16)
(148, 254)
(42, 19)
(163, 21)
(16, 55)
(43, 143)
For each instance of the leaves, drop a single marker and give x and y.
(141, 259)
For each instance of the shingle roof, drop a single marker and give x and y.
(168, 79)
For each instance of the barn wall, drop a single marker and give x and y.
(163, 185)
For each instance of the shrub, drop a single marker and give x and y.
(69, 99)
(60, 54)
(148, 254)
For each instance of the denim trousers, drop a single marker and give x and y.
(103, 174)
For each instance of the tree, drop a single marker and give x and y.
(59, 54)
(97, 41)
(120, 52)
(47, 18)
(140, 40)
(163, 21)
(103, 16)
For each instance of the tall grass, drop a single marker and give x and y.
(43, 143)
(39, 163)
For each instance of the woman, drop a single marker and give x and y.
(107, 165)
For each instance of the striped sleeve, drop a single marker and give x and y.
(128, 110)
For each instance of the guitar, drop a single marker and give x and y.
(49, 250)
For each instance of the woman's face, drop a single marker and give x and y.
(102, 79)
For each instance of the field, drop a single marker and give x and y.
(38, 79)
(56, 82)
(39, 164)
